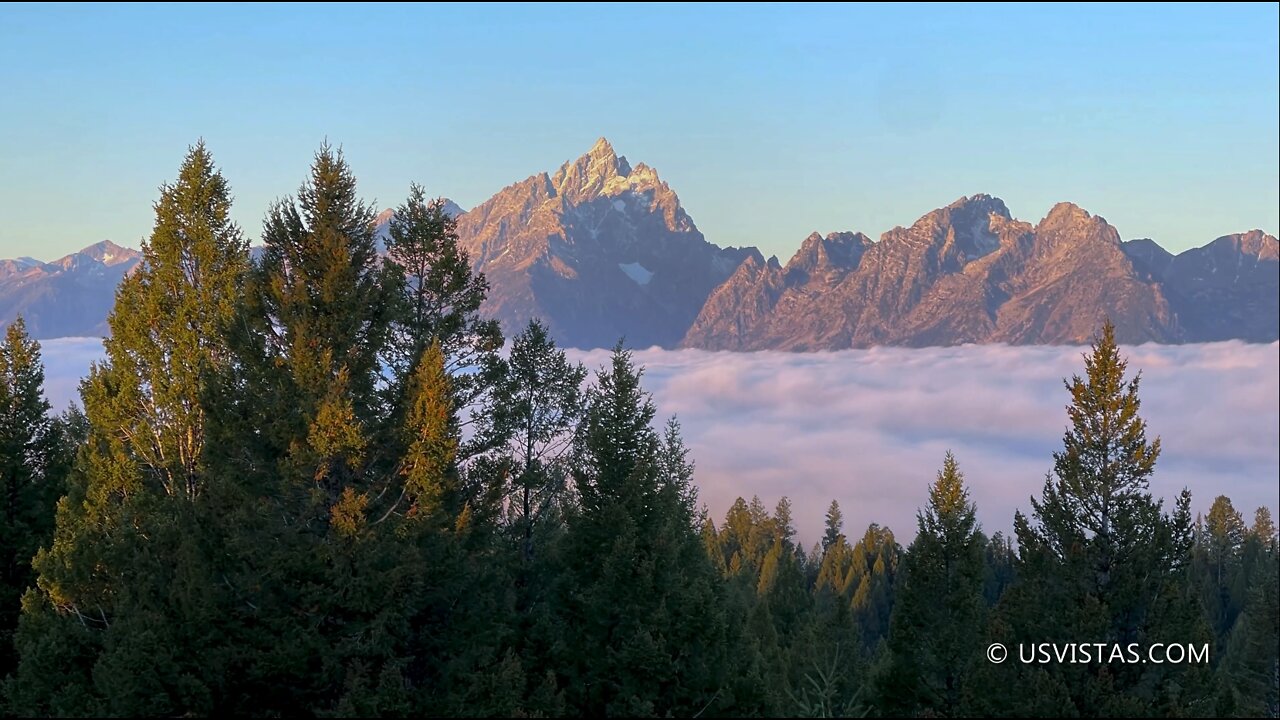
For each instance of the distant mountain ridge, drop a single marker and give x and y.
(70, 296)
(600, 250)
(971, 273)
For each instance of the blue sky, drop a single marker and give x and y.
(769, 121)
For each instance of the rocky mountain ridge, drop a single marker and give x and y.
(600, 249)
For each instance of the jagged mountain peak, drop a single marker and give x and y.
(964, 230)
(838, 250)
(590, 175)
(602, 148)
(1068, 213)
(965, 213)
(109, 253)
(982, 203)
(1068, 221)
(1256, 243)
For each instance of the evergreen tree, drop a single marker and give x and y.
(835, 524)
(319, 304)
(1251, 664)
(316, 480)
(30, 474)
(1218, 552)
(439, 300)
(125, 607)
(636, 587)
(938, 615)
(1099, 560)
(1001, 567)
(538, 406)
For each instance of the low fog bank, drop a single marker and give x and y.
(869, 427)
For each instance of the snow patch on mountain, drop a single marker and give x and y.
(637, 272)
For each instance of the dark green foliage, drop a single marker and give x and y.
(437, 298)
(35, 455)
(1000, 560)
(939, 613)
(538, 404)
(126, 585)
(636, 587)
(1100, 560)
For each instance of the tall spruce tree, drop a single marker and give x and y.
(316, 477)
(637, 589)
(439, 300)
(1220, 566)
(320, 302)
(32, 466)
(834, 526)
(538, 407)
(935, 637)
(124, 596)
(1249, 660)
(1100, 560)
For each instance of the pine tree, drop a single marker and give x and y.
(1001, 567)
(637, 588)
(125, 596)
(439, 300)
(1222, 574)
(1251, 663)
(538, 406)
(834, 526)
(1099, 559)
(315, 478)
(939, 614)
(320, 306)
(30, 474)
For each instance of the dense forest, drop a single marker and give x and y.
(316, 481)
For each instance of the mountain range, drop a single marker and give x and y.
(600, 249)
(69, 296)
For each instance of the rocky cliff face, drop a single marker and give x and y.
(970, 273)
(598, 250)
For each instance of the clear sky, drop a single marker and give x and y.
(769, 121)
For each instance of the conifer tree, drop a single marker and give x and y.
(538, 406)
(1000, 559)
(125, 596)
(638, 590)
(834, 526)
(1223, 578)
(1251, 664)
(314, 479)
(938, 616)
(439, 300)
(320, 304)
(30, 474)
(1099, 559)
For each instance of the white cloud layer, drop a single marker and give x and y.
(869, 427)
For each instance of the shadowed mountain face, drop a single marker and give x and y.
(1227, 289)
(601, 250)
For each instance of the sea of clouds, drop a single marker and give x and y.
(869, 428)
